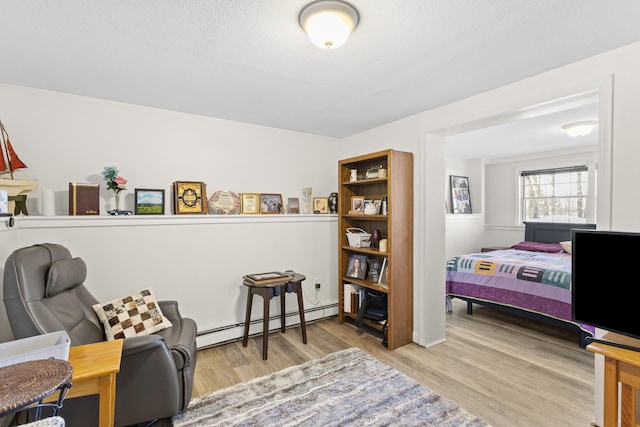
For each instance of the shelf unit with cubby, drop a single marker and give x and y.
(396, 184)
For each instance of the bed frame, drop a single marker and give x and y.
(543, 232)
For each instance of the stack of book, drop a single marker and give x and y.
(353, 297)
(267, 278)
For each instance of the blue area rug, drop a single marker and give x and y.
(346, 388)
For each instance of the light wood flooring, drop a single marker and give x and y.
(507, 370)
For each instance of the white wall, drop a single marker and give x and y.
(197, 260)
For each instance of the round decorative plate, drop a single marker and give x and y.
(224, 202)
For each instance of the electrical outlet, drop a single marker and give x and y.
(317, 285)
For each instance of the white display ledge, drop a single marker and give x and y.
(31, 222)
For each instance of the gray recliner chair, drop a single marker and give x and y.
(44, 292)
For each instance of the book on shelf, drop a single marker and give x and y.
(84, 198)
(353, 297)
(267, 278)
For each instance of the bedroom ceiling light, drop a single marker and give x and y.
(328, 23)
(579, 129)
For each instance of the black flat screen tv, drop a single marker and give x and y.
(605, 275)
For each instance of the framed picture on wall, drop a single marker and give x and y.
(270, 203)
(460, 196)
(294, 205)
(149, 201)
(249, 203)
(320, 205)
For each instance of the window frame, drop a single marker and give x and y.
(588, 187)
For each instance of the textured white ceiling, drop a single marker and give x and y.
(249, 60)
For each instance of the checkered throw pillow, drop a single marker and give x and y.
(135, 314)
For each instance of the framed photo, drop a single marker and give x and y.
(189, 197)
(249, 203)
(270, 203)
(460, 197)
(149, 201)
(357, 204)
(357, 267)
(377, 203)
(294, 205)
(384, 273)
(320, 205)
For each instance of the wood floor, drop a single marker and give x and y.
(506, 370)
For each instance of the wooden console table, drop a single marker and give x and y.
(94, 372)
(620, 366)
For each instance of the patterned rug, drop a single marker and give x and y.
(346, 388)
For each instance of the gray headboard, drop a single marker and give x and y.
(551, 232)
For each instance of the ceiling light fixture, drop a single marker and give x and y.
(328, 23)
(579, 129)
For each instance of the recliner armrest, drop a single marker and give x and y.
(144, 343)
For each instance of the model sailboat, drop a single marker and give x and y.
(9, 163)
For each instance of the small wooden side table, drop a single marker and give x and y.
(268, 291)
(620, 366)
(94, 372)
(27, 384)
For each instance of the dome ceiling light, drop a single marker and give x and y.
(579, 129)
(328, 23)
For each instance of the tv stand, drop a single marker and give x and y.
(590, 340)
(621, 365)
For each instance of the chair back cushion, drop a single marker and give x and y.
(64, 275)
(39, 299)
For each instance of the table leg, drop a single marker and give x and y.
(247, 318)
(610, 392)
(107, 388)
(265, 326)
(303, 326)
(283, 310)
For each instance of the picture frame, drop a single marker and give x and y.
(383, 278)
(377, 203)
(249, 203)
(357, 267)
(460, 196)
(270, 203)
(189, 197)
(357, 204)
(320, 205)
(149, 201)
(294, 205)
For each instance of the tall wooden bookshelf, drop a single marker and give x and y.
(396, 184)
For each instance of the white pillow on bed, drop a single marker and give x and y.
(566, 246)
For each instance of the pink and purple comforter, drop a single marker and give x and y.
(537, 282)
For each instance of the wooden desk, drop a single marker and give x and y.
(620, 365)
(94, 372)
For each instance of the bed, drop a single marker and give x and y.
(532, 278)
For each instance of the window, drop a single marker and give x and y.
(555, 195)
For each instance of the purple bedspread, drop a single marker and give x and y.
(537, 282)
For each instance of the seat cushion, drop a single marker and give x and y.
(135, 314)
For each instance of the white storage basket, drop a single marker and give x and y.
(54, 345)
(358, 238)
